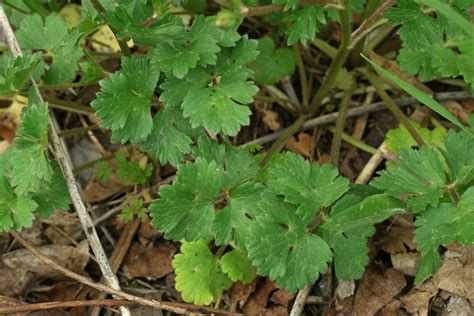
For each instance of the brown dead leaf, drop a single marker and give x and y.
(61, 225)
(269, 117)
(282, 297)
(239, 292)
(396, 239)
(458, 280)
(149, 261)
(458, 306)
(460, 112)
(256, 304)
(377, 290)
(97, 190)
(406, 262)
(392, 309)
(304, 145)
(20, 268)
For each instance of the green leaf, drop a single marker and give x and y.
(187, 49)
(131, 172)
(54, 195)
(14, 72)
(307, 186)
(36, 34)
(123, 104)
(304, 23)
(421, 96)
(15, 211)
(27, 161)
(348, 227)
(451, 14)
(272, 64)
(282, 249)
(185, 208)
(103, 170)
(237, 266)
(215, 97)
(443, 225)
(171, 136)
(52, 35)
(399, 138)
(419, 174)
(459, 156)
(198, 275)
(236, 219)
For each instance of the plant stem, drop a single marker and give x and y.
(356, 59)
(37, 7)
(278, 144)
(91, 164)
(122, 43)
(266, 9)
(77, 131)
(453, 194)
(399, 115)
(303, 79)
(340, 122)
(14, 7)
(336, 64)
(354, 141)
(66, 85)
(323, 46)
(65, 105)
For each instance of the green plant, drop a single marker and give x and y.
(188, 90)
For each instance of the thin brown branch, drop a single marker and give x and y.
(378, 106)
(179, 308)
(359, 32)
(266, 9)
(68, 304)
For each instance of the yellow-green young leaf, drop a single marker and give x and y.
(306, 185)
(215, 97)
(27, 162)
(399, 138)
(442, 225)
(185, 208)
(199, 277)
(123, 104)
(238, 266)
(282, 248)
(349, 225)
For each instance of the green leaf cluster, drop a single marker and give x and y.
(284, 225)
(29, 182)
(14, 72)
(52, 35)
(428, 179)
(434, 45)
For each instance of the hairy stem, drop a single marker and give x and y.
(354, 141)
(391, 105)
